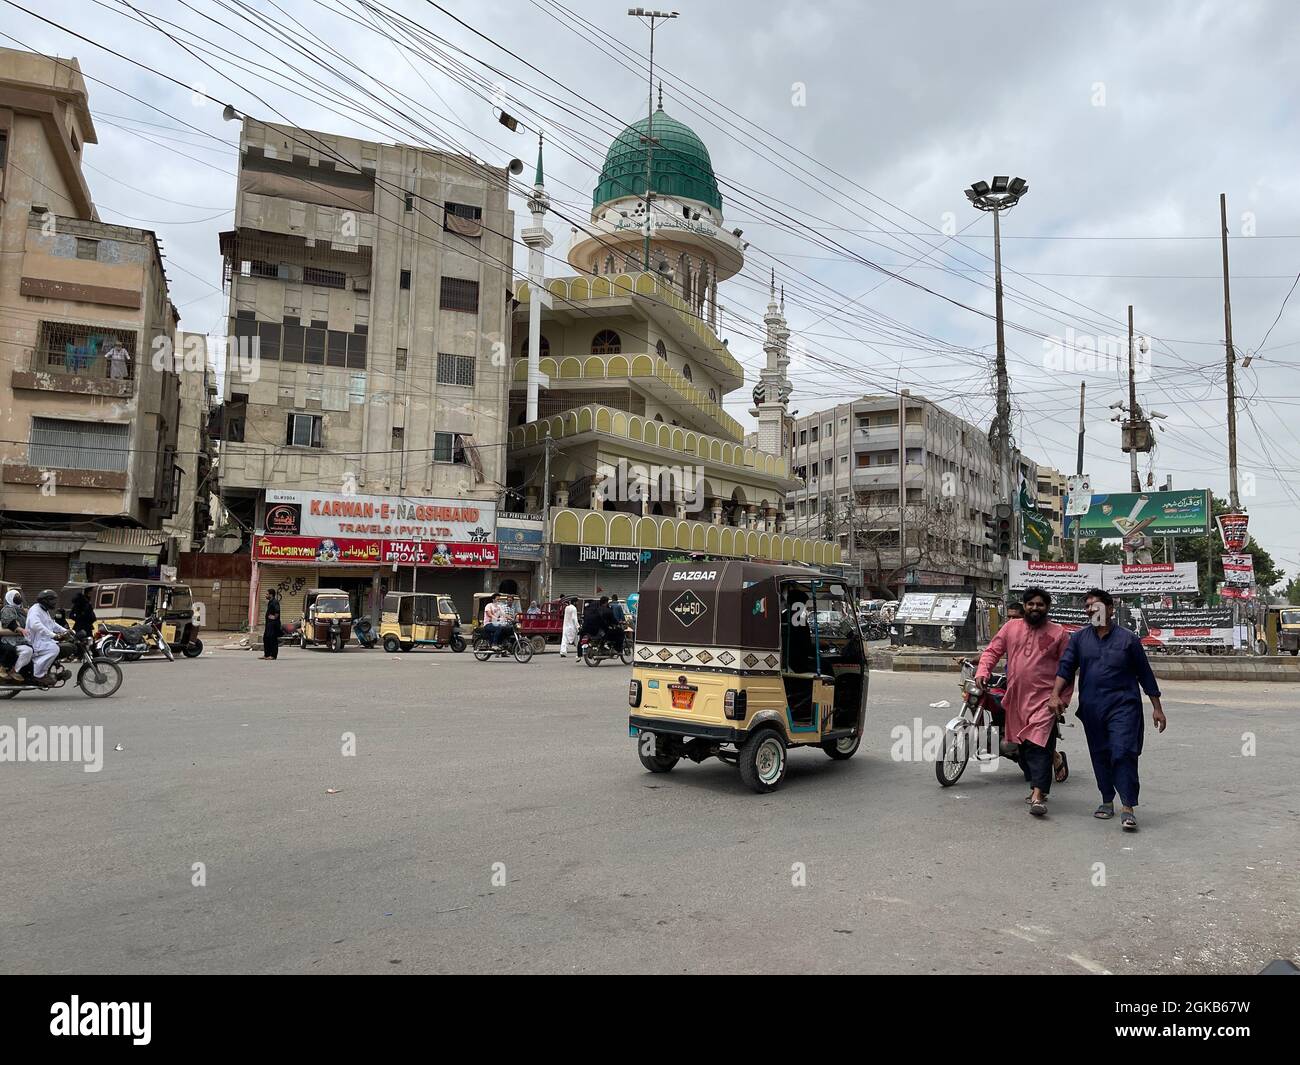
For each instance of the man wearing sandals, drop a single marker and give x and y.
(1033, 648)
(1113, 672)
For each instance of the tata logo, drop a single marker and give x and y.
(688, 607)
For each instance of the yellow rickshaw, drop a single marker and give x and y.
(1288, 629)
(742, 661)
(128, 601)
(327, 619)
(424, 619)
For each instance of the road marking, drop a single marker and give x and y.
(1089, 964)
(1018, 935)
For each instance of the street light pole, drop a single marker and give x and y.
(1002, 195)
(653, 16)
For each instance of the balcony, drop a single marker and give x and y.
(886, 476)
(733, 458)
(651, 373)
(75, 359)
(879, 436)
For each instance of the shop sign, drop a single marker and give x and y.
(334, 514)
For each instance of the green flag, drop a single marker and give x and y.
(1036, 531)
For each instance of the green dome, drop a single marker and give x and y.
(681, 164)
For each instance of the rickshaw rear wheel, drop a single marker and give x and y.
(657, 762)
(762, 760)
(538, 644)
(844, 748)
(192, 649)
(458, 643)
(391, 645)
(408, 645)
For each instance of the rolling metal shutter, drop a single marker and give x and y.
(34, 573)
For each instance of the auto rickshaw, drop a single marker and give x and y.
(327, 619)
(127, 601)
(1288, 629)
(425, 619)
(743, 661)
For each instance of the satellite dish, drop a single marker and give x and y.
(516, 166)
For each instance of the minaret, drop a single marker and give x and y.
(538, 238)
(772, 392)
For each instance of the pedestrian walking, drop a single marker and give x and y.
(1033, 648)
(569, 628)
(1113, 671)
(271, 627)
(82, 615)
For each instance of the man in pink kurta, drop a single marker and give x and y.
(1033, 649)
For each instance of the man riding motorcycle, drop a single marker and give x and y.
(43, 632)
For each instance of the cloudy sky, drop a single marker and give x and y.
(842, 135)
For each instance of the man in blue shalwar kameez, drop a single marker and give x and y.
(1111, 666)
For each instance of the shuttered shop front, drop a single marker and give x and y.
(35, 572)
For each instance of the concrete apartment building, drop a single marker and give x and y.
(1050, 494)
(367, 371)
(88, 467)
(847, 458)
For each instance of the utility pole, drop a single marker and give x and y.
(1231, 361)
(1078, 463)
(546, 520)
(649, 138)
(902, 492)
(1134, 414)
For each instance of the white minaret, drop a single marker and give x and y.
(772, 392)
(538, 238)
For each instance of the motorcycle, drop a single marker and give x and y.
(130, 643)
(364, 631)
(289, 632)
(99, 677)
(978, 726)
(512, 642)
(594, 652)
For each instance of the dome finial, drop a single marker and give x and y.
(661, 94)
(783, 299)
(537, 178)
(771, 290)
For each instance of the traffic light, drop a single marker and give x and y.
(1002, 529)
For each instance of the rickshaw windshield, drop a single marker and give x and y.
(446, 606)
(1290, 617)
(181, 600)
(333, 604)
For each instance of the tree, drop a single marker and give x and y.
(1095, 550)
(1292, 591)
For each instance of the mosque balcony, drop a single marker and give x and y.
(649, 296)
(618, 222)
(656, 442)
(649, 373)
(580, 527)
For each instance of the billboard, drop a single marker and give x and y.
(1189, 627)
(336, 514)
(1076, 578)
(933, 608)
(1059, 578)
(350, 551)
(1120, 514)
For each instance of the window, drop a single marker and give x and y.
(543, 347)
(357, 350)
(844, 460)
(314, 275)
(464, 219)
(406, 279)
(399, 438)
(401, 359)
(686, 372)
(357, 388)
(606, 342)
(303, 430)
(828, 431)
(713, 395)
(410, 201)
(4, 147)
(459, 294)
(63, 443)
(803, 436)
(812, 435)
(455, 369)
(87, 249)
(65, 347)
(827, 468)
(662, 351)
(444, 447)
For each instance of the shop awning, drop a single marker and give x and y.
(125, 547)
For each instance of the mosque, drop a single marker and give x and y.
(618, 431)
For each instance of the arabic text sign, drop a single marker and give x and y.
(1118, 514)
(343, 550)
(1189, 627)
(1158, 578)
(399, 517)
(933, 608)
(1055, 577)
(1234, 529)
(1239, 569)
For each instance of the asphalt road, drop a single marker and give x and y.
(467, 773)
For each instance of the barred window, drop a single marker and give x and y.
(66, 347)
(63, 443)
(459, 294)
(455, 369)
(606, 342)
(463, 219)
(314, 275)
